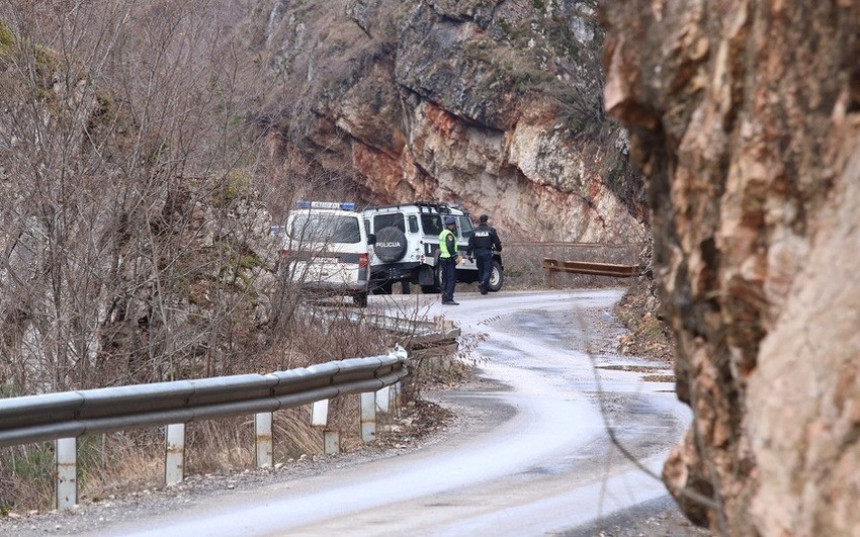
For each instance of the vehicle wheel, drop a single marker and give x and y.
(405, 287)
(360, 299)
(497, 277)
(390, 244)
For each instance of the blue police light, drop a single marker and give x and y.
(343, 205)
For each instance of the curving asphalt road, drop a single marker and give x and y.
(537, 462)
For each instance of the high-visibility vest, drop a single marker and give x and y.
(443, 244)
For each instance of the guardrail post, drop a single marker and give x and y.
(331, 442)
(319, 418)
(383, 399)
(368, 417)
(395, 397)
(174, 461)
(550, 276)
(66, 457)
(319, 413)
(263, 433)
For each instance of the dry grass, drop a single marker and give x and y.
(27, 477)
(113, 464)
(122, 463)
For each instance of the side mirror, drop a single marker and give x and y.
(371, 239)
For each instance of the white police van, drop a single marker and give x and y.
(326, 249)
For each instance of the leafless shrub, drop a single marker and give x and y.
(134, 245)
(129, 196)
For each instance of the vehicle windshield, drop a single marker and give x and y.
(465, 226)
(325, 228)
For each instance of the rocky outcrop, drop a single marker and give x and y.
(495, 105)
(745, 118)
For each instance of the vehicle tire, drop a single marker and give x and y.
(497, 277)
(360, 299)
(405, 287)
(390, 244)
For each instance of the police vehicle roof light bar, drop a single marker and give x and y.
(342, 205)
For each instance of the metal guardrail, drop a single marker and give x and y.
(580, 267)
(418, 332)
(72, 414)
(63, 417)
(563, 244)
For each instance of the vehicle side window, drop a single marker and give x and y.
(413, 223)
(381, 221)
(465, 226)
(432, 224)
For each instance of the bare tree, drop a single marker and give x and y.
(133, 236)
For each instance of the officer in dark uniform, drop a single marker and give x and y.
(483, 241)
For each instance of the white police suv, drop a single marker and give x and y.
(407, 246)
(326, 248)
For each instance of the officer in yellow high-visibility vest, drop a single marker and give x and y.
(449, 251)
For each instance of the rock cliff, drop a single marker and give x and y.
(492, 104)
(745, 118)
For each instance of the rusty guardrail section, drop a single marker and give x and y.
(567, 244)
(65, 416)
(419, 334)
(416, 333)
(554, 266)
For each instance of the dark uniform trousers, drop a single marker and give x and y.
(484, 261)
(449, 277)
(481, 245)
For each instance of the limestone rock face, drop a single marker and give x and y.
(492, 104)
(745, 118)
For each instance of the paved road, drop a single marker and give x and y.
(537, 462)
